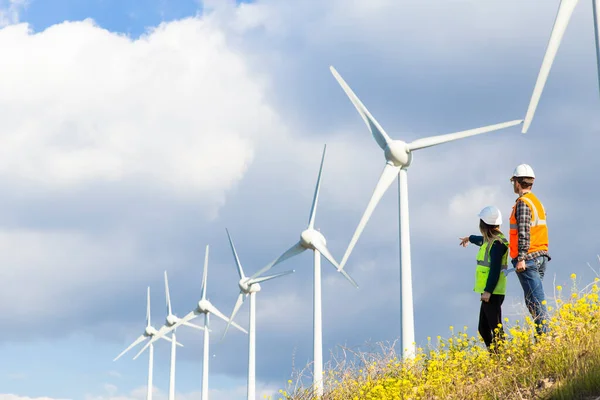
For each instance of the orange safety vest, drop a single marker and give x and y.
(538, 229)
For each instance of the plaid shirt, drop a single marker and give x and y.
(523, 217)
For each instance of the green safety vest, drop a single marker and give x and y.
(483, 268)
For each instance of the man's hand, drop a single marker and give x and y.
(485, 296)
(464, 241)
(521, 266)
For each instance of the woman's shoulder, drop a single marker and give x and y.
(500, 243)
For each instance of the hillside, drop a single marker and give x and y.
(564, 364)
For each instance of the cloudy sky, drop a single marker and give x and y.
(133, 133)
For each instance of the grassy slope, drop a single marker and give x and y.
(562, 365)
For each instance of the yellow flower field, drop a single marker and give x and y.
(564, 364)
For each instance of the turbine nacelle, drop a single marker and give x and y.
(397, 153)
(150, 331)
(311, 237)
(172, 320)
(248, 287)
(204, 306)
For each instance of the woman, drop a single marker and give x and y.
(490, 280)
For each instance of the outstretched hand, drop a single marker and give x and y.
(464, 241)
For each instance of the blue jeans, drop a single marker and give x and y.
(531, 282)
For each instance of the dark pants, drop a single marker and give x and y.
(490, 315)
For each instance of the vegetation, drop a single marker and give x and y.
(564, 364)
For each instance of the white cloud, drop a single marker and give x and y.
(17, 397)
(176, 108)
(236, 392)
(9, 13)
(56, 267)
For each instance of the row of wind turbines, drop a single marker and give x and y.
(398, 157)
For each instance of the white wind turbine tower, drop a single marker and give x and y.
(204, 307)
(398, 156)
(313, 240)
(149, 332)
(249, 286)
(565, 11)
(171, 320)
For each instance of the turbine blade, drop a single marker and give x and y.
(164, 330)
(269, 277)
(200, 328)
(292, 251)
(148, 322)
(137, 341)
(237, 259)
(377, 131)
(238, 305)
(390, 172)
(596, 8)
(313, 208)
(213, 310)
(148, 345)
(349, 278)
(565, 11)
(435, 140)
(167, 294)
(205, 274)
(322, 248)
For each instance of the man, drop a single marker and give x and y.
(528, 248)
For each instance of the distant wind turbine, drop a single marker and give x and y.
(249, 286)
(311, 239)
(565, 11)
(398, 156)
(149, 332)
(205, 307)
(171, 320)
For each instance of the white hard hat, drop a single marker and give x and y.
(523, 170)
(491, 215)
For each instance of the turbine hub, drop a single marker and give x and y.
(397, 153)
(172, 320)
(203, 306)
(149, 331)
(254, 288)
(243, 284)
(311, 236)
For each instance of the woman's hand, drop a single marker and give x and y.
(464, 241)
(485, 296)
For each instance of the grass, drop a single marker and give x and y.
(564, 364)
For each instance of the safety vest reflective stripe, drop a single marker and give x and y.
(535, 220)
(486, 258)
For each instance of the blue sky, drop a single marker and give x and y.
(122, 157)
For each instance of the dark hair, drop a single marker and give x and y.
(489, 232)
(525, 182)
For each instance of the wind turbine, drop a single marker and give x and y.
(311, 239)
(249, 286)
(565, 11)
(398, 155)
(204, 307)
(149, 332)
(171, 320)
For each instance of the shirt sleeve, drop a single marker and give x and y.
(477, 240)
(523, 217)
(496, 253)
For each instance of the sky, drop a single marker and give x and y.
(132, 135)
